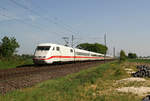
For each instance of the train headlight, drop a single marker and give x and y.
(44, 56)
(35, 56)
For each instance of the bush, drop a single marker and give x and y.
(123, 56)
(132, 55)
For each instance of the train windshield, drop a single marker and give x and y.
(43, 48)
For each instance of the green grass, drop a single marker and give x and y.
(139, 60)
(12, 63)
(94, 84)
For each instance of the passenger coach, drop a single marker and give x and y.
(48, 53)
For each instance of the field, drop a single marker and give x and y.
(139, 60)
(14, 62)
(95, 84)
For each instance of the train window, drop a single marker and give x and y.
(43, 48)
(83, 54)
(71, 50)
(57, 48)
(53, 48)
(94, 55)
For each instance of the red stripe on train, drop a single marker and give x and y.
(72, 57)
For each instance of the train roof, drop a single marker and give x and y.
(47, 44)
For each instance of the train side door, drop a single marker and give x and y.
(58, 54)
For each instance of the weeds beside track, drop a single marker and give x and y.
(16, 78)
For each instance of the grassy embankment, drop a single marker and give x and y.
(14, 62)
(139, 60)
(94, 84)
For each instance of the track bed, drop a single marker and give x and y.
(16, 78)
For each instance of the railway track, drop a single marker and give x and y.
(26, 76)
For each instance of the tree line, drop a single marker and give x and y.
(96, 47)
(8, 49)
(123, 55)
(9, 45)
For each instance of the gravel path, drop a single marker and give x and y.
(136, 90)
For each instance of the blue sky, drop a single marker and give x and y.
(126, 23)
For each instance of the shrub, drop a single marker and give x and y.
(123, 56)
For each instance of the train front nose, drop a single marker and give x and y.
(39, 60)
(40, 54)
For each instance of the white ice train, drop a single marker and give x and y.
(48, 53)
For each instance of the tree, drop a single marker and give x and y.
(8, 46)
(123, 56)
(96, 47)
(132, 55)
